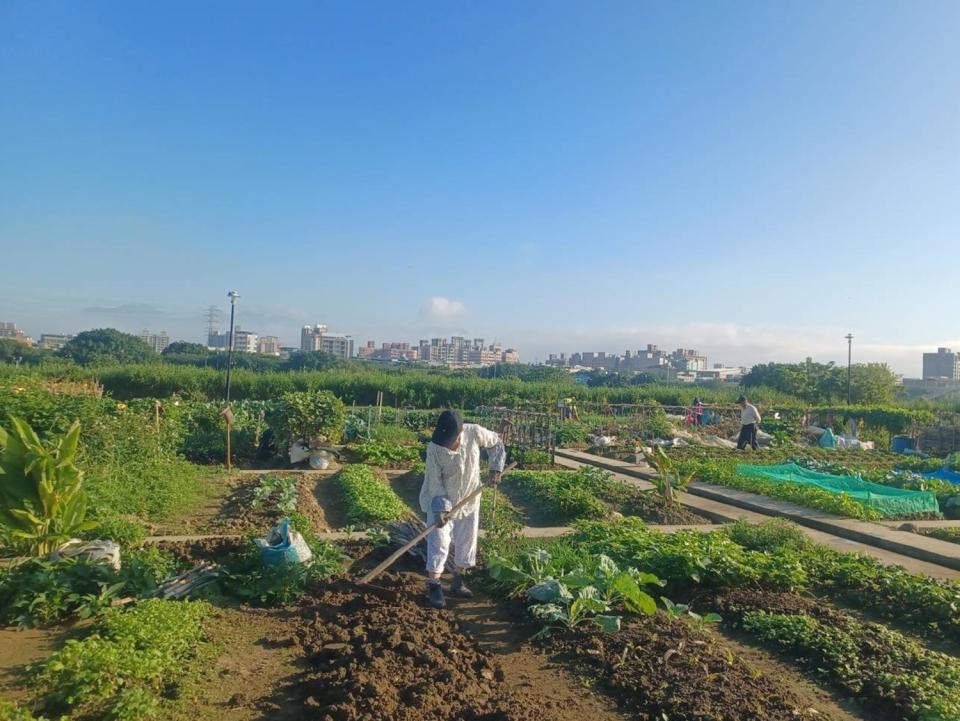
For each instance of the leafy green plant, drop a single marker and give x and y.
(560, 494)
(868, 661)
(574, 590)
(40, 591)
(282, 491)
(669, 481)
(682, 610)
(386, 454)
(122, 670)
(316, 417)
(367, 497)
(42, 499)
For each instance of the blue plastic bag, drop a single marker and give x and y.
(283, 546)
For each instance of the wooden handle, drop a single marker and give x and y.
(423, 534)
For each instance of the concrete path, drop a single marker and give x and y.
(916, 552)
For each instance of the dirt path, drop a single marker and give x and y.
(252, 672)
(561, 694)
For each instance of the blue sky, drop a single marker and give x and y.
(752, 179)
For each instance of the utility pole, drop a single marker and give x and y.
(849, 337)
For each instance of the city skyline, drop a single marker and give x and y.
(754, 181)
(911, 366)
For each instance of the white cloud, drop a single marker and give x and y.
(443, 309)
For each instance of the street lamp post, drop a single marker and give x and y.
(849, 337)
(232, 295)
(227, 412)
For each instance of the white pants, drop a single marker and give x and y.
(462, 532)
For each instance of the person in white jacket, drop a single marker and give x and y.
(452, 473)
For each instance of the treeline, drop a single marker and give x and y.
(826, 383)
(361, 383)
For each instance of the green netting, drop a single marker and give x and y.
(885, 499)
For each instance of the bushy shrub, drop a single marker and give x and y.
(311, 416)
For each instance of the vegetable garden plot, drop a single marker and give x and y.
(562, 497)
(377, 661)
(895, 676)
(884, 499)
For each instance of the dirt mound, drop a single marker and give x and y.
(734, 604)
(654, 509)
(380, 661)
(662, 667)
(190, 553)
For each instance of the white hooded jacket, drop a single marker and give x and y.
(456, 474)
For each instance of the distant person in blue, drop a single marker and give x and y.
(749, 424)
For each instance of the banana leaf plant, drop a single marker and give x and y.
(42, 500)
(670, 482)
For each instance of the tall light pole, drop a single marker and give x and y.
(849, 337)
(232, 295)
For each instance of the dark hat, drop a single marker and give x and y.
(742, 399)
(696, 399)
(449, 426)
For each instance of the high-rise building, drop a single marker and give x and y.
(335, 344)
(268, 345)
(10, 330)
(157, 342)
(217, 340)
(53, 341)
(942, 364)
(245, 341)
(311, 337)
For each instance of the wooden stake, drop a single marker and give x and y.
(156, 415)
(229, 427)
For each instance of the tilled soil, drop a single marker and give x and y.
(400, 661)
(735, 603)
(661, 667)
(190, 553)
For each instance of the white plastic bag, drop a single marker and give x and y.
(98, 551)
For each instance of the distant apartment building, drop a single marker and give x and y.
(648, 360)
(217, 340)
(11, 331)
(311, 337)
(53, 341)
(396, 351)
(245, 341)
(459, 351)
(339, 345)
(268, 345)
(942, 364)
(158, 342)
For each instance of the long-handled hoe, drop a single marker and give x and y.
(388, 594)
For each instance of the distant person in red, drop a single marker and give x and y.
(749, 423)
(697, 411)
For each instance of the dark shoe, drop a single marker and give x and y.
(435, 594)
(459, 588)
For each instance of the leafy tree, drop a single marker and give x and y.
(316, 360)
(183, 347)
(825, 383)
(107, 346)
(11, 350)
